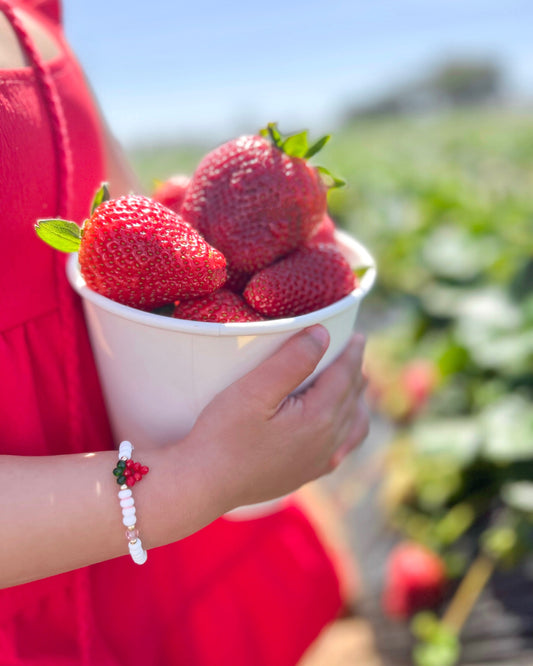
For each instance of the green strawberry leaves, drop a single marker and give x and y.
(331, 181)
(297, 145)
(64, 235)
(360, 271)
(294, 145)
(60, 234)
(317, 146)
(102, 194)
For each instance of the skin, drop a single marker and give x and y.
(255, 441)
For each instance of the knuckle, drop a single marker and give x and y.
(332, 464)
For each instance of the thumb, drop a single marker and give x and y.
(274, 379)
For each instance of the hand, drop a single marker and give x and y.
(256, 441)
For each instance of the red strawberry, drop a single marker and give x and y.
(325, 232)
(237, 280)
(172, 192)
(220, 306)
(137, 252)
(306, 280)
(418, 379)
(416, 579)
(257, 200)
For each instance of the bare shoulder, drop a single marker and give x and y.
(12, 56)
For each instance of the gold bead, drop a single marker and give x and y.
(123, 487)
(131, 527)
(133, 541)
(124, 458)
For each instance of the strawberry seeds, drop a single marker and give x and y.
(249, 237)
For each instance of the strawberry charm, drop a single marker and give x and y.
(129, 472)
(138, 252)
(256, 198)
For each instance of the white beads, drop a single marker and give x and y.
(125, 450)
(137, 552)
(129, 517)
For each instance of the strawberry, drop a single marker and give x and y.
(220, 306)
(137, 252)
(308, 279)
(418, 379)
(237, 280)
(171, 193)
(416, 580)
(257, 199)
(325, 232)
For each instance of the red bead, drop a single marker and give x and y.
(137, 476)
(144, 469)
(128, 472)
(129, 463)
(137, 466)
(130, 481)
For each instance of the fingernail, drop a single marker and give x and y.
(320, 334)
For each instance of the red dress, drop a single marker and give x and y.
(252, 593)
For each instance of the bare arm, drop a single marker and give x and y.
(250, 444)
(59, 513)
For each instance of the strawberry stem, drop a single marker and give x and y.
(468, 593)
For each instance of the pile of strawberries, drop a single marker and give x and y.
(247, 238)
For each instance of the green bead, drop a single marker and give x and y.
(121, 464)
(121, 480)
(117, 471)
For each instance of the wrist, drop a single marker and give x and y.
(178, 491)
(210, 472)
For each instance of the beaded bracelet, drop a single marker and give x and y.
(127, 473)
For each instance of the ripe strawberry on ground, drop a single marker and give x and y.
(220, 306)
(415, 580)
(256, 198)
(171, 192)
(137, 252)
(306, 280)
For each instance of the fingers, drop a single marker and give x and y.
(281, 374)
(357, 433)
(336, 381)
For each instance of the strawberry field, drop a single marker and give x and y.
(446, 207)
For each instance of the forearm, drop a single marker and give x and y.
(62, 512)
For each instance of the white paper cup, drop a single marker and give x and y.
(158, 373)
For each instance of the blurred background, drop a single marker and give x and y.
(430, 106)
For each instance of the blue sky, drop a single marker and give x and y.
(210, 69)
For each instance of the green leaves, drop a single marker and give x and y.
(64, 235)
(102, 194)
(60, 234)
(297, 145)
(331, 181)
(438, 645)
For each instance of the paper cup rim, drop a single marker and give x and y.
(235, 328)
